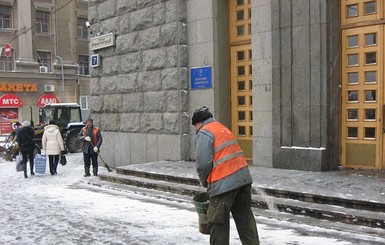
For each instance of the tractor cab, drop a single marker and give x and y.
(61, 113)
(68, 117)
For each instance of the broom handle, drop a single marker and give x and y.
(108, 167)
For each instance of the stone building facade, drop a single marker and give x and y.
(274, 77)
(140, 91)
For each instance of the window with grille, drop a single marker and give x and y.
(7, 63)
(42, 22)
(84, 65)
(85, 102)
(44, 59)
(82, 28)
(5, 17)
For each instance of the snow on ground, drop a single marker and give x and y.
(64, 209)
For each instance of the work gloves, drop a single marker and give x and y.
(88, 138)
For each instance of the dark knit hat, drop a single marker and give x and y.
(201, 114)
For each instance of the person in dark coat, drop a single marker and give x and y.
(26, 146)
(92, 140)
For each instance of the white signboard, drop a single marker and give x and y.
(103, 41)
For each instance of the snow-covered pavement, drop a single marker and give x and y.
(64, 209)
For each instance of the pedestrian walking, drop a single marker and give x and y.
(26, 146)
(92, 140)
(16, 129)
(223, 170)
(52, 143)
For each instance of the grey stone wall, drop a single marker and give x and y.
(306, 51)
(208, 42)
(139, 93)
(262, 82)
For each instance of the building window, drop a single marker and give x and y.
(6, 63)
(370, 76)
(353, 78)
(353, 41)
(84, 65)
(371, 39)
(85, 102)
(5, 17)
(370, 114)
(42, 22)
(370, 133)
(352, 10)
(370, 58)
(352, 132)
(370, 7)
(44, 59)
(82, 28)
(353, 114)
(241, 115)
(370, 96)
(353, 96)
(352, 59)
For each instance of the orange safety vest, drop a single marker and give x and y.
(95, 131)
(228, 156)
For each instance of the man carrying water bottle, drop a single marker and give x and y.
(223, 170)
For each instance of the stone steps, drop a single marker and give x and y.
(337, 209)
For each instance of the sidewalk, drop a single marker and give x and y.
(347, 196)
(363, 185)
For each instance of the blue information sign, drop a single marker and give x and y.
(200, 77)
(95, 60)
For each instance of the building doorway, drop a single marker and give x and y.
(241, 74)
(362, 143)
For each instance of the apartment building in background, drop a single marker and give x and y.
(44, 57)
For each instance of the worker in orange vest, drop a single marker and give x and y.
(92, 140)
(223, 170)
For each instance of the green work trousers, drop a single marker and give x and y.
(238, 203)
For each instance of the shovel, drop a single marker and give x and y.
(105, 164)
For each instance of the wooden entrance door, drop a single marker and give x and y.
(362, 85)
(241, 74)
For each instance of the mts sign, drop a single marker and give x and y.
(10, 101)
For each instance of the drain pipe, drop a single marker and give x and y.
(62, 78)
(77, 81)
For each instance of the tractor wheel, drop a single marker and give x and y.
(73, 144)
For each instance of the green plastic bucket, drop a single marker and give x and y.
(201, 202)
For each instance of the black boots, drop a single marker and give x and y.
(86, 172)
(25, 170)
(31, 165)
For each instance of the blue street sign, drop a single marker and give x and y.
(95, 60)
(200, 77)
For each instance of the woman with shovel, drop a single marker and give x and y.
(92, 140)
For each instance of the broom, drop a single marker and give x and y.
(105, 164)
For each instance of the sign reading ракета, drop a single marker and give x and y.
(103, 41)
